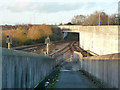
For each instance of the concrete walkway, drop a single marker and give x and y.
(72, 79)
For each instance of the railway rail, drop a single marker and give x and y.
(64, 50)
(29, 48)
(73, 46)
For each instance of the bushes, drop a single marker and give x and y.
(34, 35)
(37, 32)
(32, 41)
(18, 35)
(56, 34)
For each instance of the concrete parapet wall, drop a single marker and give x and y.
(0, 57)
(104, 68)
(0, 69)
(98, 39)
(24, 70)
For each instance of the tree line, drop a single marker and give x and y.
(97, 18)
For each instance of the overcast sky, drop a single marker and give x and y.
(51, 11)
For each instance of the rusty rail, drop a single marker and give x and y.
(61, 50)
(78, 49)
(35, 46)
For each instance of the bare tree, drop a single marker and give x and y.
(96, 18)
(79, 19)
(114, 19)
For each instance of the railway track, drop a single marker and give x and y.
(29, 48)
(64, 50)
(75, 47)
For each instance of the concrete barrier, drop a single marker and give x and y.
(0, 69)
(0, 57)
(98, 39)
(24, 70)
(104, 68)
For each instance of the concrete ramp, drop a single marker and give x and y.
(70, 77)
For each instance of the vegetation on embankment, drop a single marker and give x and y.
(32, 35)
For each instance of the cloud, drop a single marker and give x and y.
(89, 5)
(18, 6)
(43, 7)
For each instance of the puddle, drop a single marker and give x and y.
(65, 70)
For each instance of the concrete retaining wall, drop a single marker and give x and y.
(0, 57)
(24, 70)
(98, 39)
(104, 68)
(0, 69)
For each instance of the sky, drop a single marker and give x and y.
(51, 11)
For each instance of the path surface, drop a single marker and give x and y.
(71, 78)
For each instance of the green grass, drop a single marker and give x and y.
(51, 78)
(53, 85)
